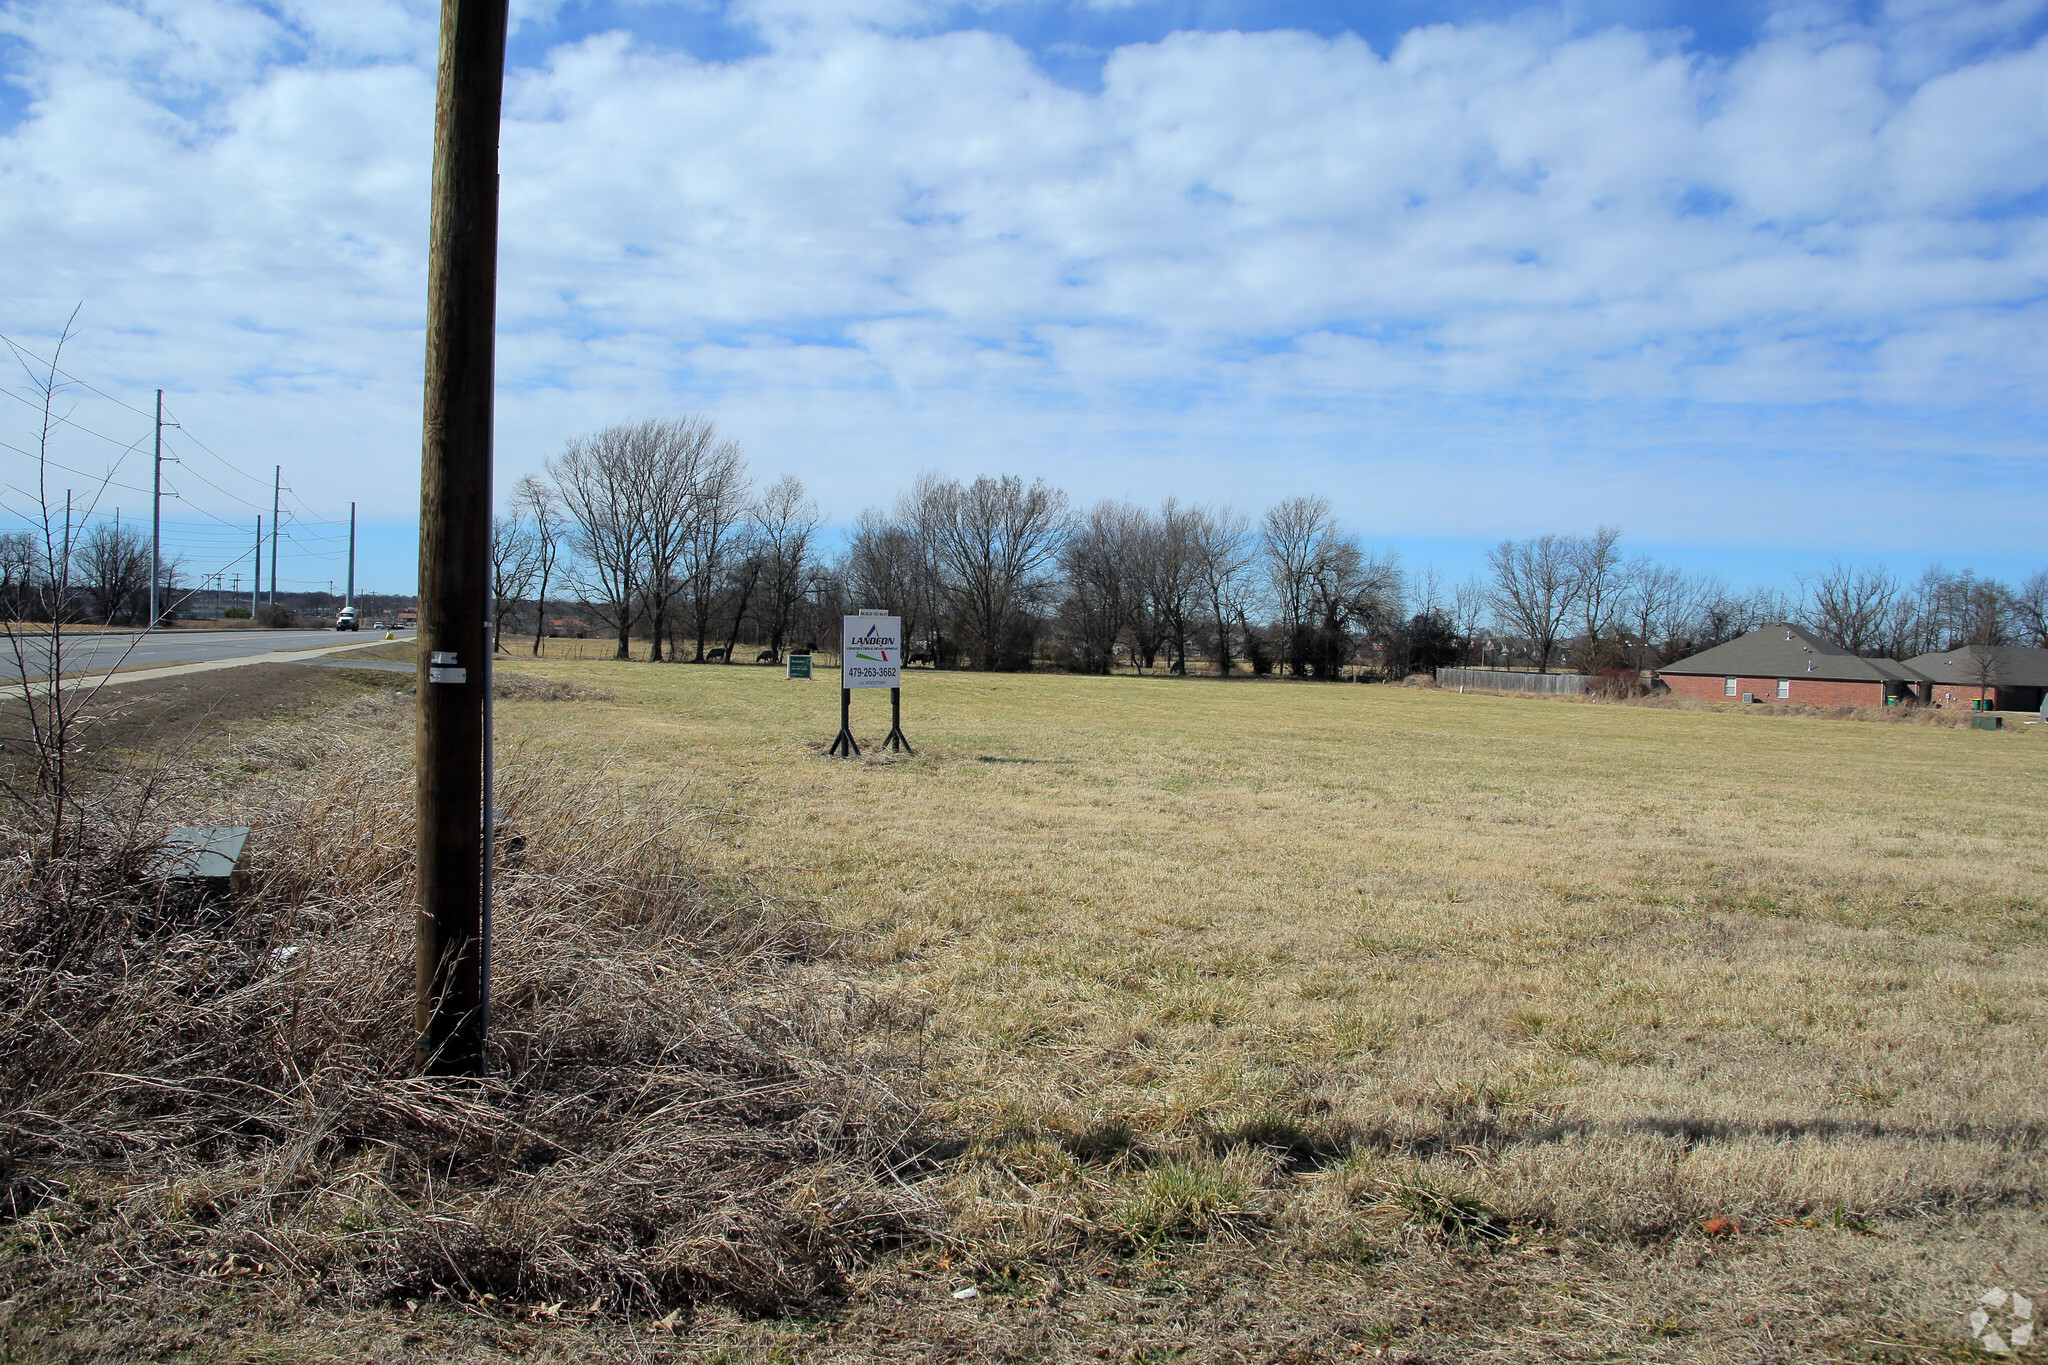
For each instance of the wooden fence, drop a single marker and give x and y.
(1501, 680)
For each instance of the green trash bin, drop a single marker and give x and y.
(1981, 704)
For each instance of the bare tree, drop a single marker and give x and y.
(669, 457)
(1983, 666)
(2030, 607)
(40, 575)
(1290, 536)
(744, 565)
(1170, 577)
(1534, 582)
(1466, 608)
(1427, 591)
(1351, 590)
(600, 490)
(1655, 604)
(1850, 607)
(922, 511)
(1984, 612)
(1224, 553)
(17, 571)
(514, 564)
(785, 520)
(1597, 587)
(992, 540)
(1323, 585)
(1958, 609)
(884, 568)
(542, 508)
(111, 563)
(723, 487)
(1099, 561)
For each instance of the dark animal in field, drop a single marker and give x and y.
(920, 656)
(810, 647)
(767, 656)
(716, 656)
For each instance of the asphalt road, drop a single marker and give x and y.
(85, 651)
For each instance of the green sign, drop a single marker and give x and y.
(800, 666)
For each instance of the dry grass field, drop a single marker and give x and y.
(1410, 990)
(1132, 1019)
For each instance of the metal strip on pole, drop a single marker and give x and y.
(455, 522)
(483, 1004)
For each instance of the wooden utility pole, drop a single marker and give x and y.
(455, 537)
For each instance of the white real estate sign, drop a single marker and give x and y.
(871, 651)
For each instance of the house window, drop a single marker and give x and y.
(1729, 689)
(1784, 688)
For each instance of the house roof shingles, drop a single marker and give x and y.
(1786, 651)
(2006, 666)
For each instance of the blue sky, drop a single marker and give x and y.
(1764, 284)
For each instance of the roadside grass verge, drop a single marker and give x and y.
(197, 1094)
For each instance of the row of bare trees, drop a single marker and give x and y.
(106, 569)
(656, 531)
(995, 573)
(1870, 610)
(1578, 599)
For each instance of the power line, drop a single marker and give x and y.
(216, 455)
(66, 421)
(72, 378)
(106, 479)
(293, 522)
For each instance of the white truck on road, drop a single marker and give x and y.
(347, 619)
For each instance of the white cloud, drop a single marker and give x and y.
(869, 250)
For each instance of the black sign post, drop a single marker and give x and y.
(896, 741)
(846, 746)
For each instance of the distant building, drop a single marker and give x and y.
(2011, 678)
(1785, 663)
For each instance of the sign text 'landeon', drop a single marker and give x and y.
(871, 651)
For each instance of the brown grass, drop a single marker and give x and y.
(1282, 1022)
(195, 1092)
(1272, 961)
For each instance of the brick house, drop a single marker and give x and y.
(2011, 678)
(1785, 663)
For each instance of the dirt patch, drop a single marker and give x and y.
(404, 650)
(193, 710)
